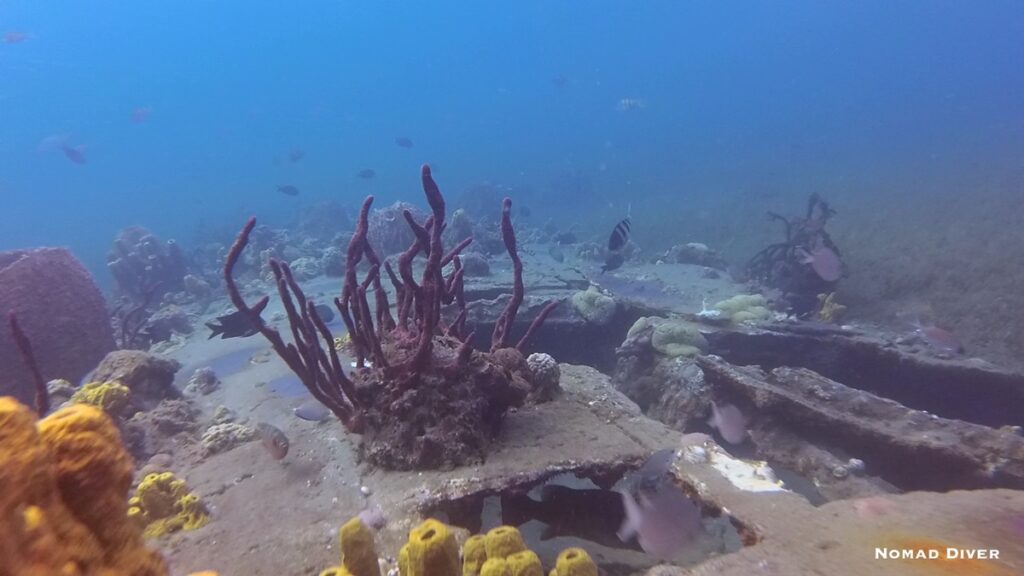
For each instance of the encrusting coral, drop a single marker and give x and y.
(829, 309)
(64, 482)
(162, 504)
(113, 398)
(744, 308)
(669, 337)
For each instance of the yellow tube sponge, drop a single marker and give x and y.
(525, 563)
(336, 571)
(63, 505)
(431, 551)
(574, 562)
(358, 554)
(112, 397)
(474, 554)
(502, 541)
(495, 567)
(162, 504)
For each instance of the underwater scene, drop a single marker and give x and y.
(511, 289)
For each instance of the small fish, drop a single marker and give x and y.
(325, 312)
(312, 410)
(234, 325)
(288, 190)
(296, 154)
(824, 261)
(75, 154)
(654, 469)
(403, 142)
(141, 114)
(273, 440)
(14, 37)
(663, 521)
(940, 339)
(619, 236)
(631, 104)
(729, 421)
(366, 173)
(556, 253)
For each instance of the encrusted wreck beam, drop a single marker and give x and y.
(960, 388)
(911, 449)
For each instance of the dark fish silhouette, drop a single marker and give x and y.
(273, 440)
(325, 312)
(14, 37)
(366, 173)
(141, 114)
(76, 154)
(620, 235)
(613, 261)
(403, 142)
(296, 154)
(288, 190)
(556, 253)
(236, 324)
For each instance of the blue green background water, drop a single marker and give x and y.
(861, 99)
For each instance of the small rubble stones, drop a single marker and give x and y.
(203, 381)
(223, 437)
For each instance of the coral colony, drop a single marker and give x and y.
(420, 395)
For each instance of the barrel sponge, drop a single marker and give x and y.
(502, 541)
(474, 554)
(113, 397)
(525, 563)
(63, 496)
(431, 551)
(574, 562)
(358, 554)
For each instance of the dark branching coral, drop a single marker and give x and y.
(782, 265)
(420, 395)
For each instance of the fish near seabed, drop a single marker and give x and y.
(235, 324)
(664, 521)
(729, 421)
(613, 261)
(940, 339)
(273, 439)
(620, 235)
(824, 261)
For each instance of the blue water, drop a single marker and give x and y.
(790, 97)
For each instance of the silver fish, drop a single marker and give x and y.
(729, 421)
(663, 521)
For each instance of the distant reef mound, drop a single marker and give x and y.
(61, 311)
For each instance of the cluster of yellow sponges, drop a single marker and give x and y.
(63, 487)
(111, 397)
(432, 551)
(163, 504)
